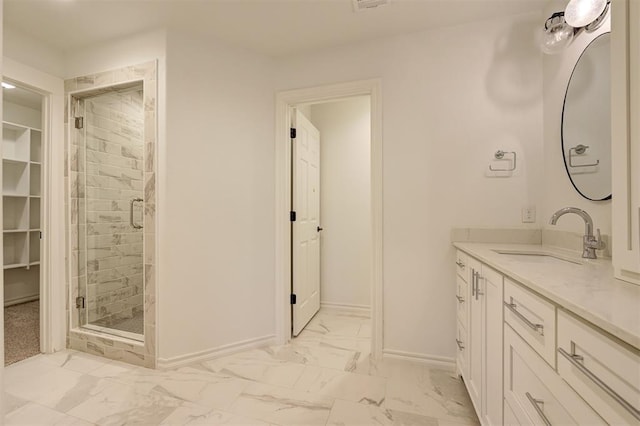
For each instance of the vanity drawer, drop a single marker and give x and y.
(533, 318)
(461, 265)
(604, 372)
(462, 300)
(462, 351)
(534, 392)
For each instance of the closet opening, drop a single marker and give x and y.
(22, 195)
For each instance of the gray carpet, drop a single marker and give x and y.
(21, 331)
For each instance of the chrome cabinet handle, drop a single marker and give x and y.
(535, 327)
(473, 282)
(460, 264)
(133, 224)
(460, 299)
(537, 403)
(478, 278)
(460, 344)
(573, 359)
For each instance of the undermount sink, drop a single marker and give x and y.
(538, 257)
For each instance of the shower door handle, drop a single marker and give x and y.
(133, 224)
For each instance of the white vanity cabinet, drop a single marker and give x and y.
(532, 360)
(484, 378)
(625, 128)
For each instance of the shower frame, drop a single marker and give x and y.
(97, 340)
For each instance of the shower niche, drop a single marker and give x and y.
(111, 213)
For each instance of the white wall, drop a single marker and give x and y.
(120, 53)
(345, 200)
(217, 252)
(558, 191)
(21, 114)
(451, 97)
(28, 51)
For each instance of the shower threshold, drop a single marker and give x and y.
(113, 332)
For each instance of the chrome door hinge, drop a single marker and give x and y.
(79, 302)
(79, 122)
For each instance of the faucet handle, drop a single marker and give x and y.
(599, 244)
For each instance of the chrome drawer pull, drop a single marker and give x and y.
(460, 344)
(537, 403)
(574, 360)
(477, 284)
(460, 264)
(473, 283)
(535, 327)
(460, 299)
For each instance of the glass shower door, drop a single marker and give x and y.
(110, 209)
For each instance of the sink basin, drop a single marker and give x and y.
(538, 257)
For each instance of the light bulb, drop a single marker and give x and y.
(557, 36)
(580, 13)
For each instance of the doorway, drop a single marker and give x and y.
(22, 125)
(33, 226)
(285, 103)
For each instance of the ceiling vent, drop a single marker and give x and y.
(360, 5)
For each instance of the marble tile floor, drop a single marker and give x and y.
(323, 377)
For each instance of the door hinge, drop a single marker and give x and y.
(79, 302)
(293, 133)
(40, 234)
(293, 299)
(292, 216)
(79, 122)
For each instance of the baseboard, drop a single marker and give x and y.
(346, 307)
(178, 361)
(20, 300)
(431, 360)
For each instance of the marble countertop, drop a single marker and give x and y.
(587, 288)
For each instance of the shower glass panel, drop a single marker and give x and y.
(110, 129)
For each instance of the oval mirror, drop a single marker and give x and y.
(586, 122)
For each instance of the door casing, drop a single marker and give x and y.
(285, 101)
(52, 268)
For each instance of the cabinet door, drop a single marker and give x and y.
(490, 288)
(476, 346)
(625, 128)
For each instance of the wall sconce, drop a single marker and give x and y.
(561, 27)
(557, 34)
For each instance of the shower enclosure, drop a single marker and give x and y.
(110, 203)
(109, 128)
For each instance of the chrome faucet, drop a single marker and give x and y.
(590, 243)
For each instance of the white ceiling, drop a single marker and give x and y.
(272, 27)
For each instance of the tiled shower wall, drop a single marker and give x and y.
(139, 353)
(114, 176)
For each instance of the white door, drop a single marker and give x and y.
(305, 227)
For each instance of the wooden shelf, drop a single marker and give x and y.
(21, 188)
(22, 149)
(16, 265)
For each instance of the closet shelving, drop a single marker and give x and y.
(21, 189)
